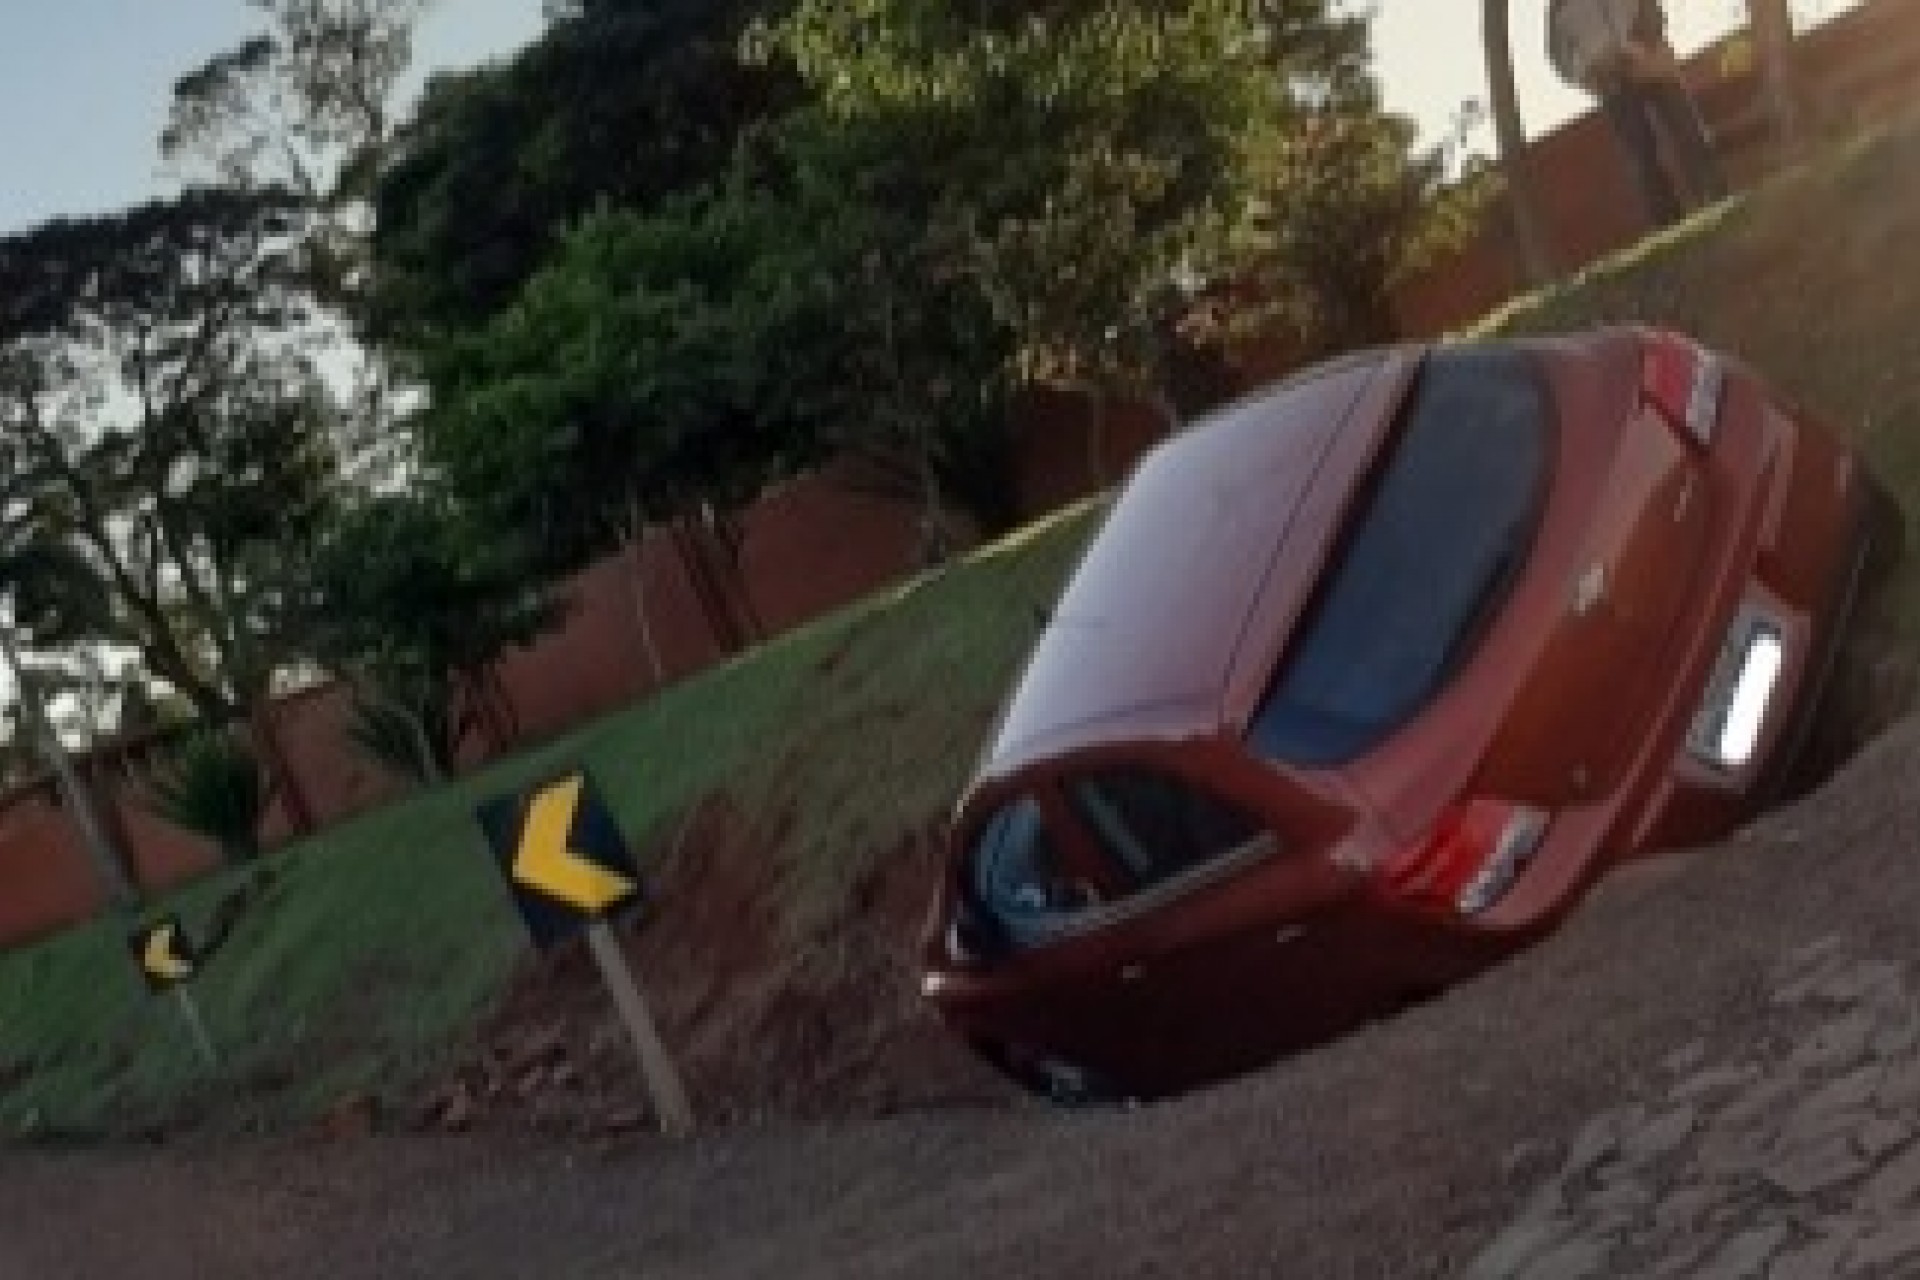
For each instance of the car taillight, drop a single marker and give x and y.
(1472, 857)
(1683, 383)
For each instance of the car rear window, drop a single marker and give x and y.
(1155, 827)
(1442, 528)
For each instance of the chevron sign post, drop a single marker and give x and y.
(569, 869)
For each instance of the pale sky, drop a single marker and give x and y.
(84, 83)
(84, 86)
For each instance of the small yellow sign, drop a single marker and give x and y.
(563, 856)
(547, 862)
(165, 957)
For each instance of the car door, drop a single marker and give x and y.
(1229, 927)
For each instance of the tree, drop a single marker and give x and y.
(1106, 165)
(35, 572)
(653, 372)
(155, 377)
(1771, 23)
(1092, 155)
(414, 612)
(1522, 201)
(621, 104)
(303, 106)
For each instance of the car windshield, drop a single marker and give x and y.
(1442, 527)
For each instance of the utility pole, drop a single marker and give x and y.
(74, 792)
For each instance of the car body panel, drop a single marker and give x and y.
(1576, 702)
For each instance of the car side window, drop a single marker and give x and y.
(1019, 877)
(1156, 827)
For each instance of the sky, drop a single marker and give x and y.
(84, 84)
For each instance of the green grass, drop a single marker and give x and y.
(382, 942)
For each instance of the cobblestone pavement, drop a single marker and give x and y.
(1800, 1161)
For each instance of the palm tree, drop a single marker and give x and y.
(1771, 22)
(1536, 264)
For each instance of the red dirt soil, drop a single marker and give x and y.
(763, 1025)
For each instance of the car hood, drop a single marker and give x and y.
(1219, 524)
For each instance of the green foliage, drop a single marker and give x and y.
(168, 435)
(415, 607)
(212, 784)
(908, 211)
(622, 104)
(658, 365)
(393, 738)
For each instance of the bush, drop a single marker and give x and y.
(212, 785)
(386, 734)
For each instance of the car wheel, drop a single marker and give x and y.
(1052, 1078)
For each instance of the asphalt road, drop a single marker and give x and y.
(1460, 1138)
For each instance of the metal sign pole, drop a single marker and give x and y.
(663, 1081)
(196, 1026)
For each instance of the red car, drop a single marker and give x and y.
(1366, 677)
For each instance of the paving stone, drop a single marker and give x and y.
(1712, 1080)
(1878, 982)
(1738, 1140)
(1820, 1260)
(1686, 1058)
(1683, 1259)
(1883, 1134)
(1889, 1242)
(1808, 961)
(1899, 1089)
(1897, 1036)
(1807, 1170)
(1598, 1141)
(1747, 1254)
(1851, 1093)
(1619, 1198)
(1515, 1247)
(1895, 1186)
(1687, 1205)
(1842, 1042)
(1577, 1259)
(1658, 1136)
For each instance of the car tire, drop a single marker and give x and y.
(1052, 1078)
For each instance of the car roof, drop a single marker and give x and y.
(1217, 536)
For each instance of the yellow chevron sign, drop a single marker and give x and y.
(548, 863)
(563, 856)
(165, 957)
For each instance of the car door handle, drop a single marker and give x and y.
(1132, 972)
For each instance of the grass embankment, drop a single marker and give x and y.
(384, 941)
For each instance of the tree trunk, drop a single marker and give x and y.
(109, 861)
(427, 757)
(1097, 440)
(1536, 263)
(266, 741)
(635, 549)
(1770, 23)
